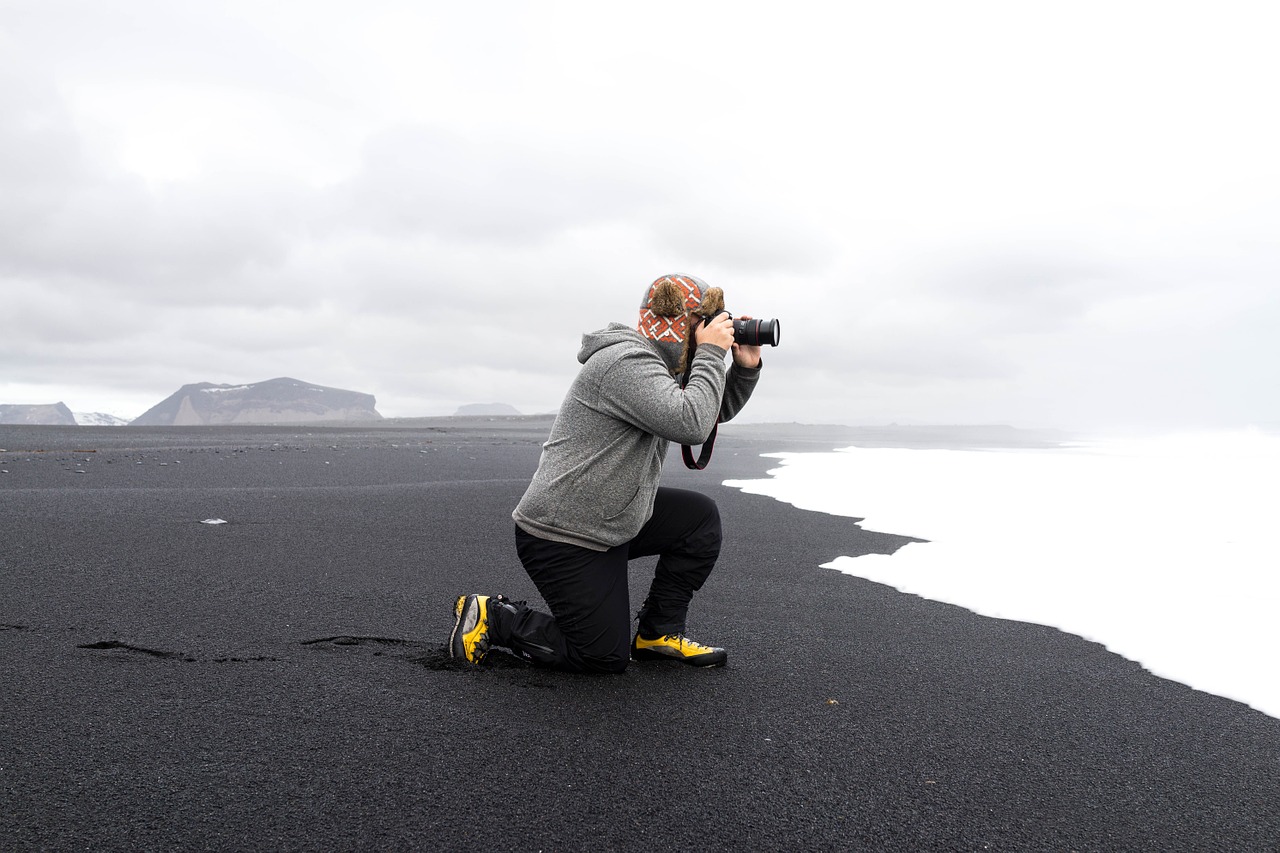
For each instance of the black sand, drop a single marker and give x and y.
(279, 682)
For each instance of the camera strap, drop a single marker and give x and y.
(686, 452)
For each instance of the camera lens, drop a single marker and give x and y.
(755, 333)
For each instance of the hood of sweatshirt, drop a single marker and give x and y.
(617, 334)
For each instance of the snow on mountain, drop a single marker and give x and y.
(99, 419)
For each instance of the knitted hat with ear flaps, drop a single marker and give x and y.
(664, 313)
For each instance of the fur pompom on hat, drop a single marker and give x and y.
(664, 313)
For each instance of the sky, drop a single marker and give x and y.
(1037, 214)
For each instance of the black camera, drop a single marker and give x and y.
(752, 333)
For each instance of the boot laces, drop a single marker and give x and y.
(685, 642)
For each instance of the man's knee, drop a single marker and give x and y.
(702, 506)
(609, 651)
(612, 664)
(706, 536)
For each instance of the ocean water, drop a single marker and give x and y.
(1162, 549)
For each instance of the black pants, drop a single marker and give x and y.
(590, 626)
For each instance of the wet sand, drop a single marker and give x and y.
(279, 682)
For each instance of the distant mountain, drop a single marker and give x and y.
(99, 419)
(51, 414)
(275, 401)
(485, 410)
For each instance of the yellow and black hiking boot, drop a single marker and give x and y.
(470, 638)
(677, 647)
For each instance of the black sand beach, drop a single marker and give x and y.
(279, 682)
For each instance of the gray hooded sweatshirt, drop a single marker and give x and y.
(598, 475)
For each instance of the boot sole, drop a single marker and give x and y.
(457, 649)
(719, 658)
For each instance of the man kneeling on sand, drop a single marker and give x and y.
(595, 503)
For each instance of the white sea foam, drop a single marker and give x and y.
(1161, 549)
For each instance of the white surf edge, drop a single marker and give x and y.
(1158, 549)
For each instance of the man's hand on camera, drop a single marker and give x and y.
(746, 356)
(719, 332)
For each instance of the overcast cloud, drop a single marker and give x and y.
(1039, 214)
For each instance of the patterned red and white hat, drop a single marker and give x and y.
(664, 313)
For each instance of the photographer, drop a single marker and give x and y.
(595, 503)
